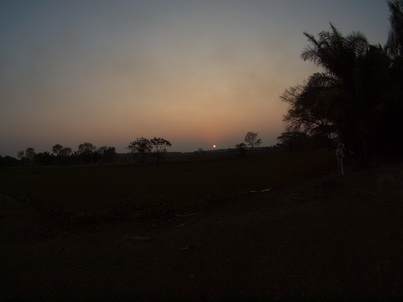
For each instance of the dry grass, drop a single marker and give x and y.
(191, 231)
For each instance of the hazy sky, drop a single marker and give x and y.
(195, 72)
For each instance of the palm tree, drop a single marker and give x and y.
(394, 45)
(342, 58)
(359, 94)
(394, 48)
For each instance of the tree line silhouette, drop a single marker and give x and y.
(142, 149)
(357, 98)
(251, 140)
(86, 153)
(145, 149)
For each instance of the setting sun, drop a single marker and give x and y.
(192, 74)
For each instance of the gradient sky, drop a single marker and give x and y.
(195, 72)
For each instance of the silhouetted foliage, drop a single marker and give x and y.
(62, 154)
(357, 98)
(143, 148)
(86, 153)
(86, 148)
(297, 141)
(44, 158)
(293, 141)
(140, 148)
(159, 147)
(394, 45)
(66, 151)
(200, 151)
(87, 157)
(57, 149)
(30, 153)
(8, 161)
(241, 149)
(107, 154)
(20, 154)
(252, 139)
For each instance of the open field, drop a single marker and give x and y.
(194, 231)
(181, 186)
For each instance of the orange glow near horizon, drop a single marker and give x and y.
(198, 74)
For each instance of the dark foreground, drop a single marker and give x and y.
(326, 238)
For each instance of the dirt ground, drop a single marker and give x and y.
(327, 239)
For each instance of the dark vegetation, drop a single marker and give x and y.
(358, 96)
(144, 149)
(86, 153)
(206, 230)
(246, 224)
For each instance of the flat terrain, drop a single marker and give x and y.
(203, 231)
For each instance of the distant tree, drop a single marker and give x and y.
(86, 148)
(241, 149)
(101, 149)
(143, 148)
(86, 153)
(252, 139)
(57, 149)
(159, 147)
(66, 151)
(30, 153)
(107, 153)
(44, 158)
(140, 148)
(20, 154)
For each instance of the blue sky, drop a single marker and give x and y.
(196, 73)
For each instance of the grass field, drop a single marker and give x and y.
(181, 186)
(193, 230)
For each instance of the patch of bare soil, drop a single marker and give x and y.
(331, 238)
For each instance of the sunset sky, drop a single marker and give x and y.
(195, 72)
